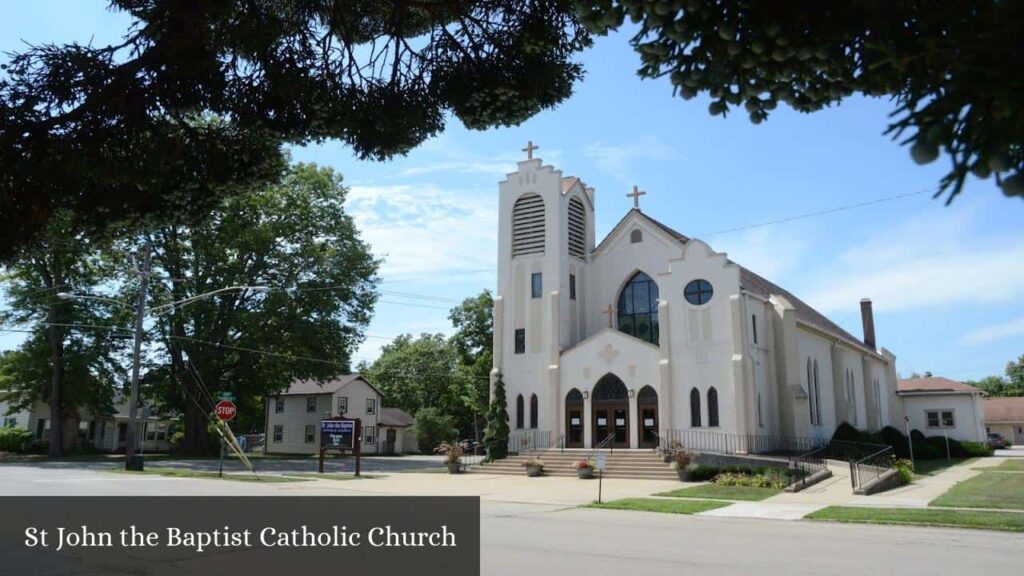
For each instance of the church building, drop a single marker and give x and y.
(650, 334)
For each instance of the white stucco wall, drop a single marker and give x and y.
(295, 418)
(966, 409)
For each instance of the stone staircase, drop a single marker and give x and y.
(642, 464)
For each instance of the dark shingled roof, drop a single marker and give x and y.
(395, 418)
(330, 387)
(757, 284)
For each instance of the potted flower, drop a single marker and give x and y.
(534, 467)
(452, 452)
(683, 464)
(674, 446)
(585, 469)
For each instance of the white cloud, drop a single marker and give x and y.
(931, 261)
(995, 332)
(423, 229)
(771, 252)
(617, 158)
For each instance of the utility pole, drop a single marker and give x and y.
(133, 461)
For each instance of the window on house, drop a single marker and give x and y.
(342, 405)
(636, 236)
(10, 422)
(150, 435)
(371, 405)
(947, 420)
(521, 341)
(694, 408)
(713, 407)
(278, 433)
(753, 326)
(369, 435)
(536, 284)
(572, 286)
(533, 411)
(161, 431)
(311, 404)
(278, 405)
(310, 433)
(760, 415)
(520, 417)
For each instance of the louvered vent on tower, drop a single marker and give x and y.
(577, 229)
(528, 225)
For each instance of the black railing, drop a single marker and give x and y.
(474, 455)
(608, 442)
(521, 441)
(723, 443)
(807, 464)
(558, 443)
(870, 467)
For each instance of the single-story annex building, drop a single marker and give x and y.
(1005, 416)
(937, 406)
(294, 416)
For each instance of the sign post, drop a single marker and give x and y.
(225, 411)
(340, 435)
(601, 461)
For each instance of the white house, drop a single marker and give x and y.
(294, 416)
(936, 406)
(104, 432)
(1005, 416)
(650, 333)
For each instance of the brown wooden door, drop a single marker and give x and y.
(647, 427)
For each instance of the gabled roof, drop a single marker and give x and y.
(934, 385)
(299, 387)
(1003, 409)
(758, 285)
(395, 418)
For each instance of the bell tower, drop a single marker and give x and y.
(545, 238)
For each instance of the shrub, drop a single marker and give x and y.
(14, 439)
(893, 437)
(682, 459)
(904, 470)
(433, 427)
(977, 449)
(704, 472)
(925, 451)
(769, 479)
(916, 436)
(846, 433)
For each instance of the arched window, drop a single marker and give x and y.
(519, 411)
(712, 407)
(638, 308)
(817, 395)
(694, 408)
(810, 389)
(577, 228)
(533, 411)
(528, 225)
(636, 236)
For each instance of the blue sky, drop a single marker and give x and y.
(947, 282)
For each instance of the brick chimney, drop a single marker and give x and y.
(868, 318)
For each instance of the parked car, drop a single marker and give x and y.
(996, 441)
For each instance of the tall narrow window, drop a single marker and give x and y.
(572, 286)
(528, 227)
(278, 432)
(310, 433)
(760, 414)
(521, 341)
(519, 412)
(753, 326)
(278, 405)
(577, 228)
(694, 408)
(810, 390)
(638, 308)
(533, 411)
(536, 284)
(311, 404)
(817, 395)
(713, 407)
(371, 405)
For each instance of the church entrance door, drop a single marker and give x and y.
(647, 409)
(574, 419)
(610, 411)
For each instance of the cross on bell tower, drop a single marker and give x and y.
(635, 195)
(529, 149)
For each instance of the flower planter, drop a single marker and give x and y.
(454, 467)
(534, 471)
(584, 473)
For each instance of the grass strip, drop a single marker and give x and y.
(718, 492)
(987, 490)
(1004, 521)
(180, 473)
(660, 505)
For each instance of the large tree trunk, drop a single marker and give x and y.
(197, 440)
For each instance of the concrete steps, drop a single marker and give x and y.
(623, 463)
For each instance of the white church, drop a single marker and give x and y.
(649, 334)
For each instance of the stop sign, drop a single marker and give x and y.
(225, 410)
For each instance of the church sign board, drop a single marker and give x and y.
(341, 435)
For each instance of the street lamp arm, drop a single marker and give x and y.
(69, 296)
(156, 310)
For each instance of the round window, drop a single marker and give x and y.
(698, 292)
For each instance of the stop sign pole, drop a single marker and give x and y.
(225, 411)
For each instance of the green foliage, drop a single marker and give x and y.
(497, 430)
(893, 437)
(952, 69)
(433, 428)
(112, 131)
(473, 341)
(976, 449)
(14, 439)
(916, 435)
(926, 451)
(766, 478)
(847, 433)
(1012, 384)
(294, 235)
(904, 470)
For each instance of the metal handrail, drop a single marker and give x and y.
(560, 441)
(857, 467)
(608, 439)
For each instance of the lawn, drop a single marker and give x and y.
(936, 465)
(1007, 521)
(717, 492)
(179, 473)
(335, 476)
(1008, 465)
(989, 490)
(660, 505)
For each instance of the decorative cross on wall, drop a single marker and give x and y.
(610, 312)
(529, 149)
(635, 195)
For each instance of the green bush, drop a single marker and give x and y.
(977, 449)
(893, 437)
(847, 433)
(705, 472)
(904, 470)
(14, 439)
(432, 428)
(771, 478)
(925, 451)
(916, 435)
